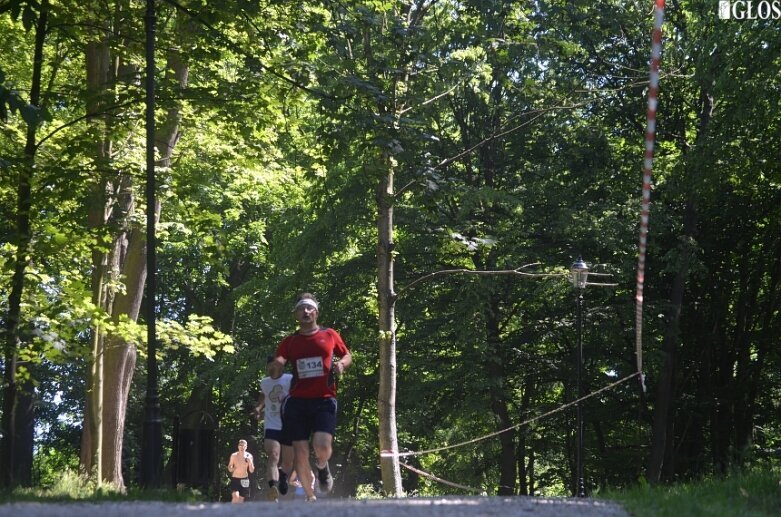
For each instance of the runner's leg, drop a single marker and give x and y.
(304, 470)
(272, 462)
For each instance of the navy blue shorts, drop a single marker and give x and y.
(302, 417)
(278, 435)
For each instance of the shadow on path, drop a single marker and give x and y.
(414, 506)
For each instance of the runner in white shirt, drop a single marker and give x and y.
(278, 447)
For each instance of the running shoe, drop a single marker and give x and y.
(325, 479)
(272, 494)
(282, 482)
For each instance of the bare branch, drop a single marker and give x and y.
(516, 271)
(429, 101)
(86, 116)
(486, 140)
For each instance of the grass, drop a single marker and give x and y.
(756, 493)
(71, 486)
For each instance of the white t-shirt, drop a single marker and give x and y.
(275, 392)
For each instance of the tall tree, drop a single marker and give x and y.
(114, 214)
(16, 461)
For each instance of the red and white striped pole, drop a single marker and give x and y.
(650, 137)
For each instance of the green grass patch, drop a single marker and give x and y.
(71, 486)
(754, 493)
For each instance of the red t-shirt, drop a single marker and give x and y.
(312, 358)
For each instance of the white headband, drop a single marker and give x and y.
(306, 301)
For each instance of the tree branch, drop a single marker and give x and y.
(66, 125)
(432, 99)
(516, 271)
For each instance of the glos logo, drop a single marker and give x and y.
(750, 10)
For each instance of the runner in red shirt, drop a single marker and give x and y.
(317, 355)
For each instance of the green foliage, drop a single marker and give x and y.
(753, 493)
(367, 492)
(197, 335)
(68, 485)
(514, 132)
(72, 486)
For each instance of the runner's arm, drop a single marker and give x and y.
(258, 412)
(276, 367)
(343, 363)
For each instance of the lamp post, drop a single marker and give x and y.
(152, 446)
(579, 277)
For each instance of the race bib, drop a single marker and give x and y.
(309, 367)
(245, 483)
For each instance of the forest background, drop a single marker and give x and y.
(380, 154)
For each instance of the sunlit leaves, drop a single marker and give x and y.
(197, 335)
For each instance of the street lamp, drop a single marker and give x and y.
(579, 277)
(152, 446)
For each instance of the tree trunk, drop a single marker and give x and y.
(665, 390)
(386, 399)
(523, 486)
(105, 422)
(770, 306)
(523, 448)
(661, 446)
(104, 265)
(746, 312)
(498, 398)
(16, 453)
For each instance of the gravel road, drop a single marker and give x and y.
(420, 506)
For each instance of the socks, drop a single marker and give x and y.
(282, 482)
